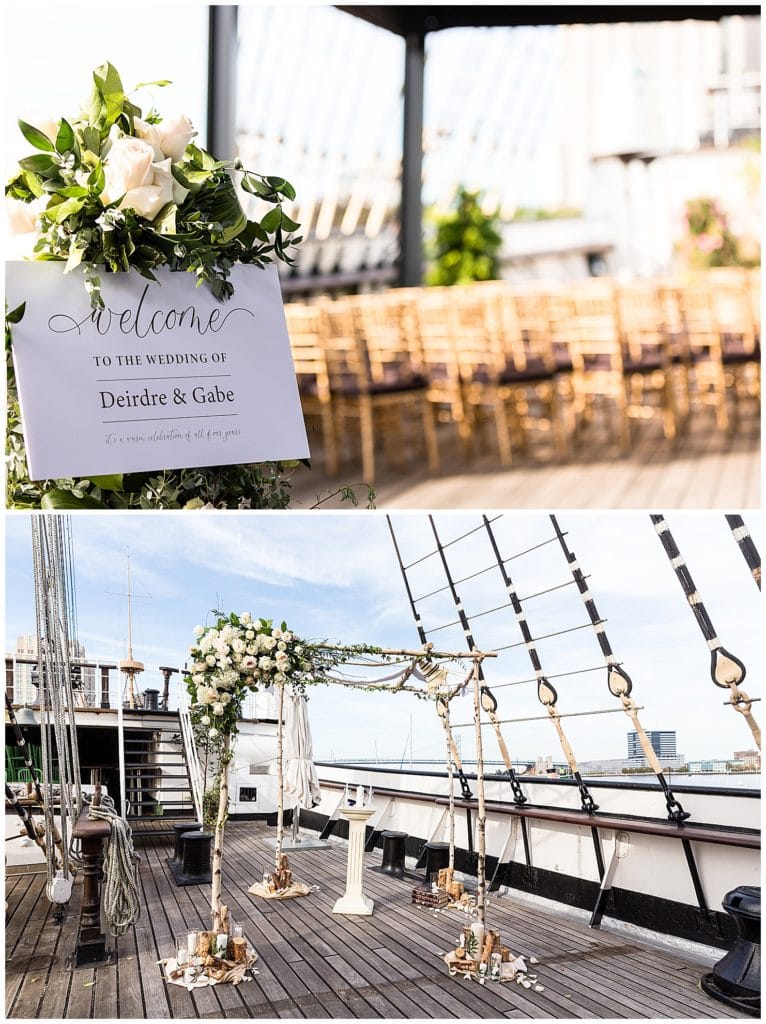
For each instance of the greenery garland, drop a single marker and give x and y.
(113, 190)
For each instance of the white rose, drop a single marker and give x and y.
(199, 630)
(198, 679)
(282, 646)
(213, 733)
(279, 678)
(175, 133)
(249, 663)
(217, 708)
(225, 698)
(205, 720)
(238, 646)
(145, 186)
(264, 664)
(277, 633)
(249, 635)
(299, 649)
(287, 636)
(210, 659)
(246, 617)
(150, 134)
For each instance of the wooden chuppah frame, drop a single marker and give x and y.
(219, 910)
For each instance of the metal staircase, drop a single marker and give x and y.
(158, 789)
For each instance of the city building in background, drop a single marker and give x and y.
(23, 664)
(663, 741)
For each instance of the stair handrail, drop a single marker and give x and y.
(192, 759)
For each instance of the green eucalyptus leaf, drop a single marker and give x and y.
(59, 213)
(16, 315)
(35, 137)
(33, 183)
(59, 499)
(288, 224)
(65, 139)
(272, 220)
(91, 139)
(109, 86)
(161, 82)
(110, 482)
(40, 163)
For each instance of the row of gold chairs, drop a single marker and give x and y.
(529, 363)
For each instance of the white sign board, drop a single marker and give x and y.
(165, 377)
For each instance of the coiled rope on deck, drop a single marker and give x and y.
(120, 891)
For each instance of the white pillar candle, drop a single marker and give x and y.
(237, 932)
(191, 943)
(221, 942)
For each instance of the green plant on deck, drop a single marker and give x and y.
(466, 244)
(210, 806)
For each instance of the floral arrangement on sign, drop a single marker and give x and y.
(115, 189)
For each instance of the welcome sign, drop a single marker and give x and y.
(164, 377)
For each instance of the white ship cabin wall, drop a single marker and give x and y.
(252, 773)
(655, 866)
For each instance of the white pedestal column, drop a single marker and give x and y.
(354, 901)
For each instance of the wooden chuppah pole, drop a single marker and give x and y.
(219, 910)
(481, 823)
(442, 709)
(280, 778)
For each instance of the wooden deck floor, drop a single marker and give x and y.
(313, 964)
(705, 469)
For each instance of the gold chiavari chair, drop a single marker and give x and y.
(373, 383)
(646, 354)
(732, 301)
(700, 349)
(586, 319)
(430, 313)
(481, 364)
(304, 327)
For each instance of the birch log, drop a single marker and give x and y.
(218, 910)
(481, 824)
(443, 712)
(280, 780)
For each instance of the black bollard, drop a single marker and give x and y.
(194, 867)
(179, 831)
(393, 853)
(437, 857)
(736, 979)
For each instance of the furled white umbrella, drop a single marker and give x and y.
(301, 784)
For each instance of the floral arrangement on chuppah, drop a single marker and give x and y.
(117, 188)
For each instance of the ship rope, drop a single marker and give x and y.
(120, 889)
(747, 546)
(546, 692)
(618, 681)
(53, 604)
(726, 670)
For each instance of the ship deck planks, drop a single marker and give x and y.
(314, 964)
(703, 468)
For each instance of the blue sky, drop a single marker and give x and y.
(334, 576)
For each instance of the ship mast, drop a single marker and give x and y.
(130, 666)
